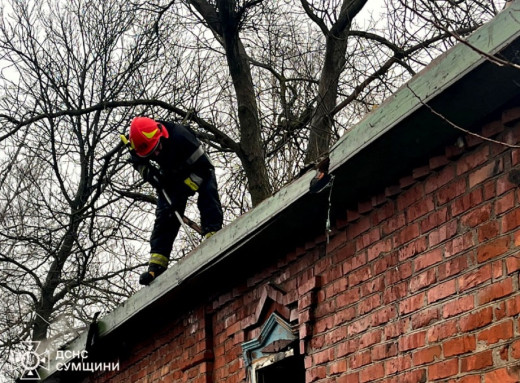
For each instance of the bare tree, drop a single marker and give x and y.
(69, 242)
(268, 86)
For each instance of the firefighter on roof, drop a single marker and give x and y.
(182, 169)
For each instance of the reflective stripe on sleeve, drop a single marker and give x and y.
(195, 155)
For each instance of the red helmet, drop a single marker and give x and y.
(145, 135)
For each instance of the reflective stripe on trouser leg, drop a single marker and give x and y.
(159, 259)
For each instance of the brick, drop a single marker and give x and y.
(441, 291)
(358, 326)
(352, 263)
(438, 162)
(501, 375)
(451, 191)
(485, 172)
(492, 128)
(412, 341)
(443, 369)
(458, 244)
(476, 216)
(395, 329)
(384, 351)
(360, 275)
(421, 172)
(397, 364)
(458, 306)
(495, 291)
(384, 263)
(384, 315)
(338, 367)
(414, 376)
(428, 259)
(433, 220)
(505, 203)
(370, 338)
(359, 359)
(412, 249)
(515, 349)
(378, 200)
(395, 293)
(476, 320)
(504, 185)
(419, 209)
(472, 141)
(475, 278)
(442, 331)
(513, 306)
(452, 267)
(511, 221)
(376, 285)
(443, 233)
(393, 224)
(426, 355)
(477, 361)
(454, 151)
(378, 249)
(488, 231)
(501, 331)
(336, 335)
(493, 249)
(470, 379)
(467, 202)
(313, 374)
(347, 348)
(443, 177)
(392, 191)
(322, 357)
(348, 378)
(369, 304)
(423, 280)
(410, 196)
(424, 318)
(459, 345)
(348, 297)
(407, 234)
(406, 182)
(472, 160)
(411, 304)
(358, 227)
(398, 273)
(364, 207)
(371, 373)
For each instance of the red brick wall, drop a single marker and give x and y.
(419, 284)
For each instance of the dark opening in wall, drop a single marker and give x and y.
(290, 369)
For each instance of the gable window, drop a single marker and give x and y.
(273, 357)
(290, 368)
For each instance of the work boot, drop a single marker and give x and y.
(154, 270)
(210, 234)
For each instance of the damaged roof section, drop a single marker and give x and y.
(401, 132)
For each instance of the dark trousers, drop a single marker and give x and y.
(166, 226)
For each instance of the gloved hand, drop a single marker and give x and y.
(149, 172)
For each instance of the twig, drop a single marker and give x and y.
(458, 127)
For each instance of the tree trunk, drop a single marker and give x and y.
(336, 47)
(321, 123)
(225, 23)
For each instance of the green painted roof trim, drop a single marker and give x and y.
(440, 74)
